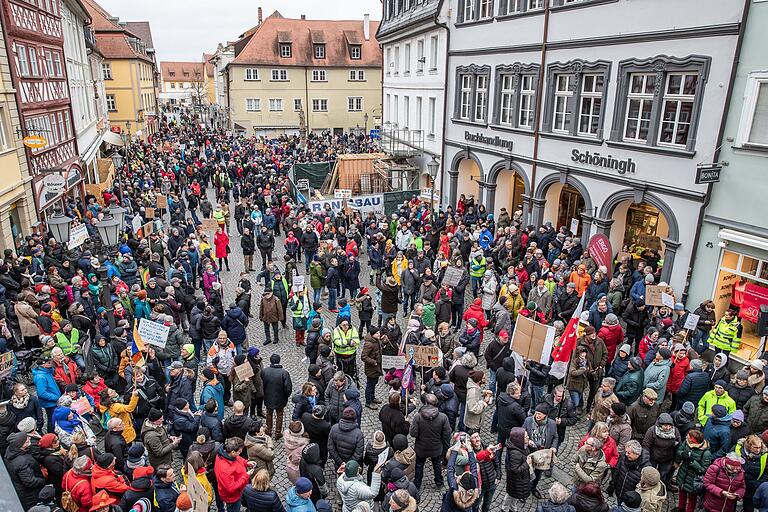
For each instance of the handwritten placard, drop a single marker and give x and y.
(389, 362)
(149, 213)
(653, 295)
(691, 321)
(153, 333)
(244, 371)
(452, 276)
(423, 355)
(162, 202)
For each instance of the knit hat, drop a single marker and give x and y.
(253, 351)
(349, 414)
(303, 484)
(650, 393)
(631, 499)
(396, 474)
(697, 364)
(47, 441)
(143, 504)
(689, 408)
(183, 502)
(733, 460)
(738, 416)
(143, 471)
(618, 408)
(472, 322)
(323, 505)
(611, 319)
(17, 439)
(379, 441)
(665, 419)
(27, 425)
(721, 383)
(70, 388)
(742, 375)
(399, 442)
(757, 364)
(719, 411)
(190, 348)
(47, 493)
(650, 475)
(154, 415)
(543, 408)
(319, 410)
(665, 353)
(625, 348)
(637, 363)
(135, 452)
(351, 469)
(176, 365)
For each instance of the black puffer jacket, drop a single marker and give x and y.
(25, 475)
(393, 422)
(518, 471)
(139, 488)
(346, 442)
(626, 475)
(583, 503)
(277, 386)
(740, 394)
(694, 386)
(311, 466)
(511, 414)
(431, 432)
(261, 501)
(505, 374)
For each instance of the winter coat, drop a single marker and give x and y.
(517, 469)
(212, 422)
(618, 367)
(449, 404)
(642, 417)
(495, 354)
(115, 444)
(335, 399)
(548, 506)
(717, 480)
(620, 431)
(312, 467)
(79, 486)
(550, 432)
(695, 384)
(630, 387)
(371, 357)
(613, 337)
(693, 462)
(346, 442)
(271, 310)
(756, 413)
(231, 476)
(277, 386)
(25, 474)
(740, 395)
(108, 480)
(583, 503)
(586, 468)
(717, 433)
(510, 414)
(294, 444)
(710, 399)
(431, 431)
(157, 443)
(475, 407)
(656, 376)
(626, 475)
(662, 450)
(235, 323)
(261, 450)
(261, 501)
(393, 422)
(213, 389)
(354, 490)
(48, 391)
(502, 321)
(602, 408)
(185, 425)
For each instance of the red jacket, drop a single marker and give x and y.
(82, 494)
(475, 311)
(717, 480)
(65, 373)
(610, 450)
(612, 336)
(108, 480)
(231, 476)
(643, 347)
(677, 374)
(93, 392)
(221, 241)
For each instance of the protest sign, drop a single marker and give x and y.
(298, 283)
(653, 295)
(389, 362)
(149, 213)
(162, 202)
(365, 204)
(197, 493)
(667, 300)
(533, 340)
(136, 224)
(81, 406)
(153, 333)
(452, 276)
(148, 228)
(691, 321)
(423, 355)
(209, 224)
(77, 237)
(574, 226)
(6, 363)
(244, 371)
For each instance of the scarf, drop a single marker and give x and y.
(539, 436)
(661, 434)
(19, 403)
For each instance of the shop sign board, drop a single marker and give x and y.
(34, 141)
(599, 247)
(710, 174)
(754, 297)
(77, 237)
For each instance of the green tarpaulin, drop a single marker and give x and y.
(314, 172)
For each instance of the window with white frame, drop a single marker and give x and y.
(434, 52)
(319, 51)
(472, 94)
(527, 106)
(253, 104)
(753, 127)
(467, 11)
(512, 6)
(591, 104)
(57, 68)
(285, 50)
(481, 97)
(357, 75)
(419, 113)
(275, 104)
(486, 9)
(355, 104)
(406, 111)
(432, 115)
(637, 122)
(33, 64)
(407, 67)
(22, 60)
(48, 56)
(318, 75)
(465, 97)
(388, 107)
(390, 63)
(296, 104)
(535, 4)
(561, 121)
(106, 70)
(3, 130)
(320, 105)
(279, 75)
(507, 112)
(397, 60)
(420, 56)
(396, 110)
(355, 52)
(658, 102)
(173, 85)
(514, 95)
(111, 103)
(253, 73)
(677, 108)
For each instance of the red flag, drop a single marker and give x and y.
(562, 350)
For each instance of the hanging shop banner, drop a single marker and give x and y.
(754, 296)
(599, 248)
(77, 237)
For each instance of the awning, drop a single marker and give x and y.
(90, 152)
(738, 237)
(113, 138)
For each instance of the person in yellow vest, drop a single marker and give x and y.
(717, 396)
(726, 334)
(345, 342)
(755, 454)
(68, 340)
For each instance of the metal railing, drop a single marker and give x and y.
(401, 142)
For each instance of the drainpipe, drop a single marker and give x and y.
(306, 100)
(445, 100)
(539, 101)
(720, 135)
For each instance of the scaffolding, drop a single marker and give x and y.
(370, 173)
(401, 142)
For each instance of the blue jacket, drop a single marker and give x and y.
(637, 291)
(760, 501)
(717, 432)
(215, 391)
(656, 377)
(235, 323)
(486, 239)
(261, 501)
(694, 385)
(618, 367)
(295, 503)
(596, 317)
(47, 390)
(344, 312)
(165, 495)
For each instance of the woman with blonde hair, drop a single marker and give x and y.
(399, 265)
(258, 496)
(601, 431)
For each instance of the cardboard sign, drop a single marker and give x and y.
(667, 300)
(197, 493)
(149, 213)
(244, 371)
(82, 406)
(691, 322)
(153, 333)
(162, 202)
(136, 224)
(77, 236)
(210, 224)
(389, 362)
(532, 339)
(452, 276)
(342, 193)
(6, 363)
(653, 295)
(148, 228)
(599, 247)
(423, 355)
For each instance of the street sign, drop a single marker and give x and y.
(34, 141)
(708, 174)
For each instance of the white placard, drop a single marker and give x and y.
(389, 362)
(136, 223)
(691, 322)
(667, 300)
(77, 237)
(298, 283)
(342, 193)
(153, 333)
(197, 493)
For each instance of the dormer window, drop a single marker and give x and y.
(355, 51)
(319, 51)
(285, 50)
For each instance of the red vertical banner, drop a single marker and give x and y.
(754, 296)
(599, 248)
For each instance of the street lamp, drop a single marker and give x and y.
(432, 167)
(109, 229)
(365, 118)
(117, 160)
(117, 212)
(59, 226)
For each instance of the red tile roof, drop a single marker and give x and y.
(112, 39)
(208, 66)
(182, 71)
(263, 48)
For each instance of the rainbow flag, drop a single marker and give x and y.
(137, 345)
(407, 379)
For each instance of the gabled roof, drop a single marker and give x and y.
(112, 39)
(209, 69)
(182, 71)
(142, 30)
(264, 45)
(101, 20)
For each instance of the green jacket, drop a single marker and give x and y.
(711, 399)
(693, 462)
(316, 275)
(429, 315)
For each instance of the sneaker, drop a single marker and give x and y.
(267, 342)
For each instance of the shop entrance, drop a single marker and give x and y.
(639, 230)
(510, 188)
(571, 205)
(467, 182)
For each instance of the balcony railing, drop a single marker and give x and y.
(401, 142)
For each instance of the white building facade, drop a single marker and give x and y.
(414, 47)
(220, 60)
(90, 122)
(594, 114)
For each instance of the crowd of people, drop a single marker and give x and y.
(103, 421)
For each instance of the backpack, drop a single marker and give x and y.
(68, 503)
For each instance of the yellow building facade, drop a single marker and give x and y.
(131, 96)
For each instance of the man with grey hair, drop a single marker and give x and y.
(589, 462)
(626, 475)
(558, 494)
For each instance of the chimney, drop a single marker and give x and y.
(303, 16)
(367, 26)
(260, 14)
